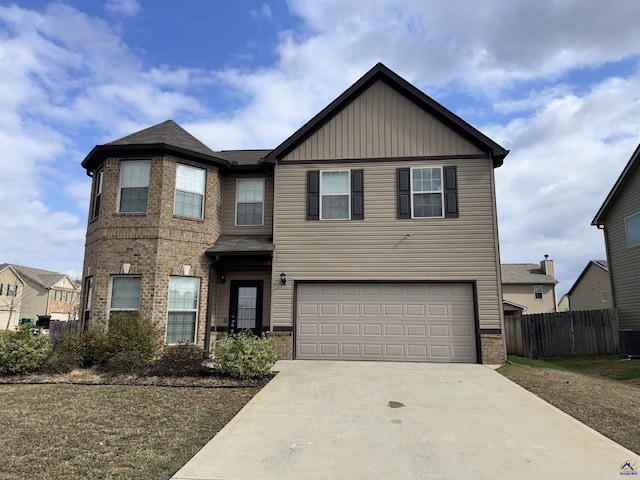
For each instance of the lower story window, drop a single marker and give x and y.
(183, 309)
(125, 293)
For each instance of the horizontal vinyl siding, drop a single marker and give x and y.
(588, 293)
(229, 206)
(624, 262)
(381, 123)
(522, 294)
(375, 248)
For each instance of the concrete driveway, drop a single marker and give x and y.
(370, 420)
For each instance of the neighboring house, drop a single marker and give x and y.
(619, 217)
(11, 294)
(591, 291)
(563, 304)
(46, 293)
(370, 233)
(530, 286)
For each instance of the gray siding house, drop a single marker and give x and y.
(619, 218)
(369, 234)
(591, 290)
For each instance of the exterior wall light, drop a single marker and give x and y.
(223, 278)
(283, 278)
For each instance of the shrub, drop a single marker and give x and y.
(132, 332)
(244, 355)
(129, 362)
(85, 350)
(181, 360)
(23, 351)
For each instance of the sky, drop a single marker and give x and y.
(556, 83)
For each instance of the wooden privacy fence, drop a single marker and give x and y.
(58, 329)
(585, 332)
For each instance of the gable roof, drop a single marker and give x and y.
(382, 73)
(529, 273)
(166, 137)
(602, 264)
(44, 278)
(624, 177)
(4, 266)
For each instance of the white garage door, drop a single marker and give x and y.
(417, 322)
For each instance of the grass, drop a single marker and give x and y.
(108, 432)
(605, 366)
(601, 391)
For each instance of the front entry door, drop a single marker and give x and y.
(245, 309)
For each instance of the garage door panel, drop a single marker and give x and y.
(350, 309)
(438, 310)
(404, 322)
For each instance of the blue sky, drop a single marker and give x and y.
(557, 83)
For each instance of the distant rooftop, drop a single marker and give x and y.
(524, 273)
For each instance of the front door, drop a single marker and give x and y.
(245, 309)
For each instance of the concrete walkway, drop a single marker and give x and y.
(370, 420)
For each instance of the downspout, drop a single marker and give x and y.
(497, 254)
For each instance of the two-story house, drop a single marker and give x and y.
(29, 293)
(529, 287)
(369, 234)
(619, 218)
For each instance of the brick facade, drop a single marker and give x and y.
(493, 349)
(156, 244)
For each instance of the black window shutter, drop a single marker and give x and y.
(313, 195)
(404, 193)
(1, 285)
(450, 192)
(357, 194)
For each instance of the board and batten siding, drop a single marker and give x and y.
(381, 123)
(375, 249)
(624, 262)
(229, 227)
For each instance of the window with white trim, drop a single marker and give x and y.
(249, 201)
(134, 186)
(190, 183)
(98, 194)
(12, 290)
(125, 293)
(68, 296)
(537, 292)
(334, 195)
(426, 192)
(58, 295)
(183, 309)
(605, 296)
(632, 225)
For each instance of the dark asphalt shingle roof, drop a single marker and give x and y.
(168, 133)
(242, 245)
(243, 157)
(44, 278)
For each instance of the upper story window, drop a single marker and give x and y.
(68, 296)
(190, 183)
(426, 192)
(249, 201)
(134, 186)
(537, 292)
(632, 224)
(98, 194)
(334, 195)
(58, 295)
(12, 290)
(125, 293)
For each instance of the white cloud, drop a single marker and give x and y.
(129, 8)
(74, 82)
